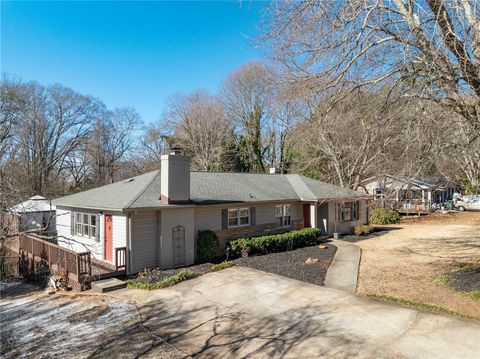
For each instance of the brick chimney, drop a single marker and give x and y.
(175, 177)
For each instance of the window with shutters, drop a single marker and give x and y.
(85, 225)
(238, 217)
(349, 211)
(283, 215)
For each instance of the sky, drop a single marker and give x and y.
(128, 53)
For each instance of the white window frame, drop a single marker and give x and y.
(285, 214)
(81, 225)
(237, 216)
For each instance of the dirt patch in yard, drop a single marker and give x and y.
(38, 325)
(469, 218)
(407, 262)
(292, 264)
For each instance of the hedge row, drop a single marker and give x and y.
(276, 242)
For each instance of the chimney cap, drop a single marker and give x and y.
(176, 150)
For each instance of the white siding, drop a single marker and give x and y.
(119, 224)
(77, 244)
(144, 241)
(81, 244)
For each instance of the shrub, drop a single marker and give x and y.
(223, 265)
(384, 216)
(362, 230)
(207, 245)
(167, 282)
(276, 242)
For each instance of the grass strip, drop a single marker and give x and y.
(426, 306)
(167, 282)
(469, 268)
(222, 265)
(181, 276)
(474, 295)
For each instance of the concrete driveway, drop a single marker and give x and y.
(242, 313)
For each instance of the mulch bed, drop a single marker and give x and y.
(291, 264)
(157, 275)
(376, 231)
(465, 281)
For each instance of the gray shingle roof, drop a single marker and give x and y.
(117, 195)
(207, 188)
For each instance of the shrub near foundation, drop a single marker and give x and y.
(384, 216)
(207, 245)
(276, 242)
(362, 230)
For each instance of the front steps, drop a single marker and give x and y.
(107, 285)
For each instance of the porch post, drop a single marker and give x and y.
(313, 215)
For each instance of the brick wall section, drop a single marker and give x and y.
(225, 235)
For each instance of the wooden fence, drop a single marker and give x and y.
(77, 264)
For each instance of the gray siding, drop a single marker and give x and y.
(144, 241)
(346, 227)
(265, 213)
(297, 210)
(207, 218)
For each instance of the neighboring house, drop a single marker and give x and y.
(37, 213)
(157, 215)
(415, 193)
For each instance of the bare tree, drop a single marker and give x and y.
(429, 48)
(54, 122)
(200, 127)
(11, 104)
(111, 141)
(246, 94)
(346, 137)
(154, 141)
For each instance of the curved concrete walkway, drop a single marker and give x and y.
(343, 271)
(244, 313)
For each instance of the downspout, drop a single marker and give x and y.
(129, 243)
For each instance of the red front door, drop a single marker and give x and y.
(306, 215)
(108, 237)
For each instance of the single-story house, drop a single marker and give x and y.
(157, 216)
(408, 192)
(36, 213)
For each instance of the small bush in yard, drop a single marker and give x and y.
(207, 245)
(223, 265)
(362, 230)
(276, 242)
(167, 282)
(384, 216)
